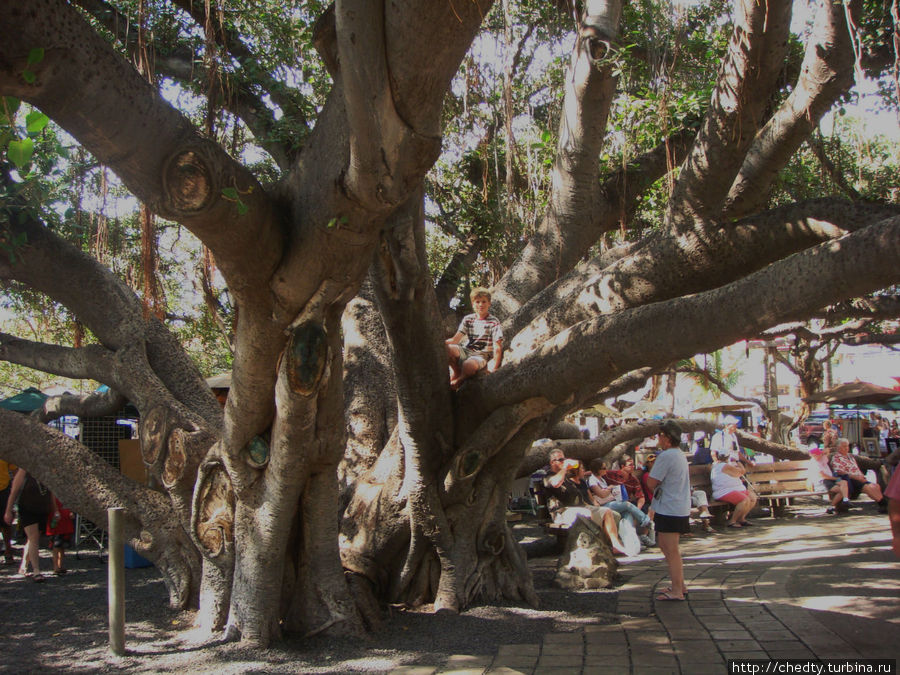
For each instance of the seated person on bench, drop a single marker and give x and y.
(820, 478)
(845, 467)
(727, 486)
(603, 494)
(569, 489)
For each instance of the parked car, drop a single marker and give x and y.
(812, 428)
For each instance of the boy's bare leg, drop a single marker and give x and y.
(469, 367)
(453, 362)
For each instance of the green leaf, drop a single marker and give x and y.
(28, 76)
(35, 122)
(11, 106)
(242, 208)
(230, 193)
(19, 152)
(36, 55)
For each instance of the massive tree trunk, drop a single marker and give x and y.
(246, 523)
(259, 495)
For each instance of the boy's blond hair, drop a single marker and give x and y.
(480, 292)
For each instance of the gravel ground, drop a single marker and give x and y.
(61, 626)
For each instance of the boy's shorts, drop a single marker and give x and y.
(465, 354)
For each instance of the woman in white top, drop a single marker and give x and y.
(727, 487)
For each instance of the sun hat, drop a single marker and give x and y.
(816, 450)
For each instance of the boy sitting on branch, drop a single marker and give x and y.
(484, 341)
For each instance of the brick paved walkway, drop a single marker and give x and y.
(808, 586)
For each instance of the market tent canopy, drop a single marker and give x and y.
(24, 401)
(716, 407)
(892, 404)
(855, 393)
(645, 409)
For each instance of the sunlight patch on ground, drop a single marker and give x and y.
(804, 551)
(880, 608)
(876, 565)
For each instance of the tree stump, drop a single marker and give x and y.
(587, 561)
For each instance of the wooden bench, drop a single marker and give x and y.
(778, 484)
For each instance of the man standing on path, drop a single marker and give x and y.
(671, 485)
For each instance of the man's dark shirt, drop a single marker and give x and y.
(569, 493)
(702, 455)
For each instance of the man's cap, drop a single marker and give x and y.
(672, 429)
(731, 419)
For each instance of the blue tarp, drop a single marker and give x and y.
(24, 401)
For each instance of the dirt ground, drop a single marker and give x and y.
(61, 626)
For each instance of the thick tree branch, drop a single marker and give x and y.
(175, 171)
(589, 90)
(871, 307)
(665, 266)
(157, 367)
(373, 43)
(621, 385)
(826, 74)
(181, 64)
(91, 362)
(459, 264)
(95, 404)
(614, 205)
(588, 450)
(596, 351)
(746, 81)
